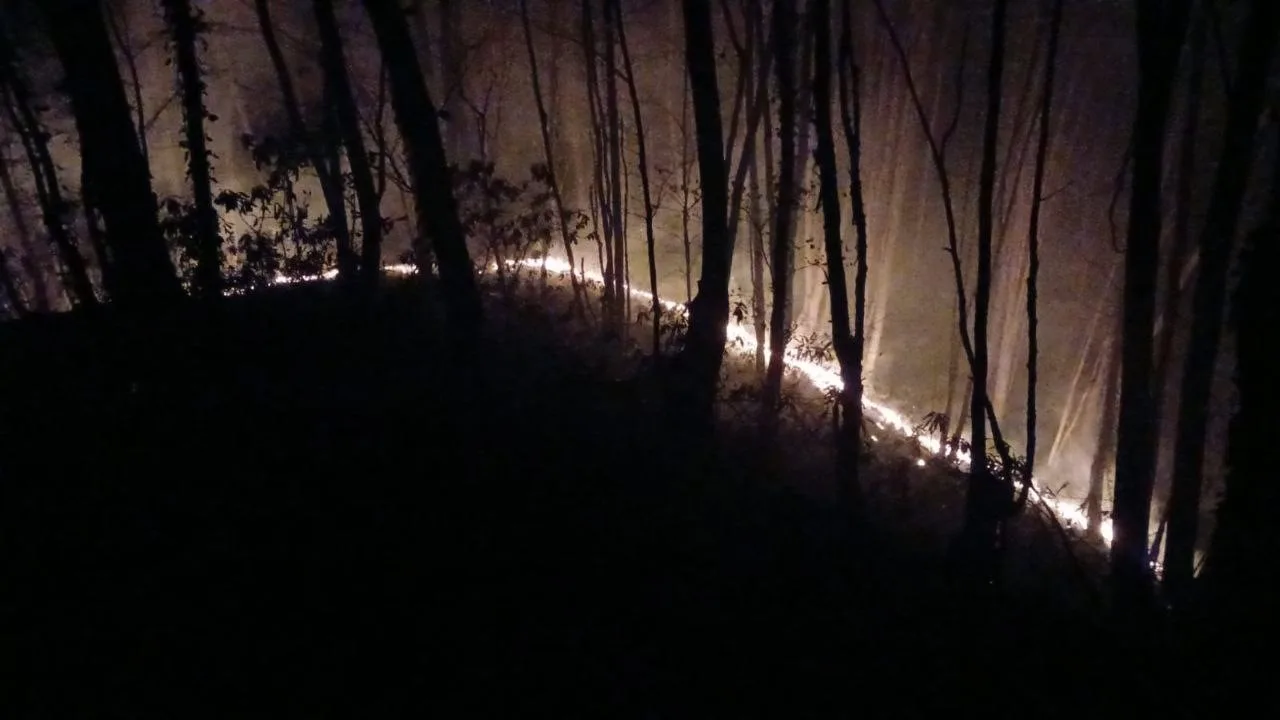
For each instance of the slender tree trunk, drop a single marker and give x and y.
(1033, 236)
(937, 154)
(758, 306)
(1240, 584)
(328, 174)
(656, 308)
(613, 125)
(53, 207)
(686, 201)
(8, 283)
(755, 91)
(135, 80)
(1105, 452)
(185, 25)
(983, 507)
(1176, 272)
(544, 123)
(39, 289)
(851, 119)
(600, 192)
(703, 352)
(1217, 240)
(338, 85)
(1161, 25)
(120, 178)
(837, 284)
(783, 38)
(433, 189)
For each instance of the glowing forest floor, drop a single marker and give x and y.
(295, 506)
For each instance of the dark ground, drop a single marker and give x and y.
(297, 506)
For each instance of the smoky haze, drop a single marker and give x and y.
(478, 72)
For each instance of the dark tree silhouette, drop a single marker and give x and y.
(833, 242)
(185, 25)
(1217, 240)
(548, 150)
(432, 187)
(986, 498)
(1161, 25)
(1240, 578)
(851, 121)
(783, 38)
(1033, 235)
(15, 94)
(120, 181)
(338, 91)
(328, 175)
(645, 184)
(703, 352)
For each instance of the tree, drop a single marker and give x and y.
(432, 187)
(19, 109)
(1217, 240)
(338, 91)
(1033, 232)
(782, 34)
(185, 25)
(837, 284)
(39, 290)
(645, 185)
(544, 124)
(851, 121)
(114, 165)
(1161, 25)
(703, 353)
(328, 175)
(986, 498)
(1240, 582)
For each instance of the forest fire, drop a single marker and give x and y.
(822, 376)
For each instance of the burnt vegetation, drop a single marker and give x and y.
(326, 389)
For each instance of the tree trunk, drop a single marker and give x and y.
(613, 127)
(1161, 25)
(39, 290)
(600, 192)
(783, 39)
(686, 201)
(1033, 238)
(328, 174)
(544, 123)
(53, 207)
(185, 25)
(1240, 582)
(338, 90)
(703, 352)
(433, 191)
(118, 173)
(987, 495)
(1104, 453)
(851, 120)
(645, 188)
(1218, 238)
(837, 284)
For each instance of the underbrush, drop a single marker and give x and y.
(297, 504)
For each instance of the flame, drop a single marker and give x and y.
(825, 376)
(822, 376)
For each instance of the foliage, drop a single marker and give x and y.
(510, 221)
(266, 231)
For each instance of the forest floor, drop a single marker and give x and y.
(296, 505)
